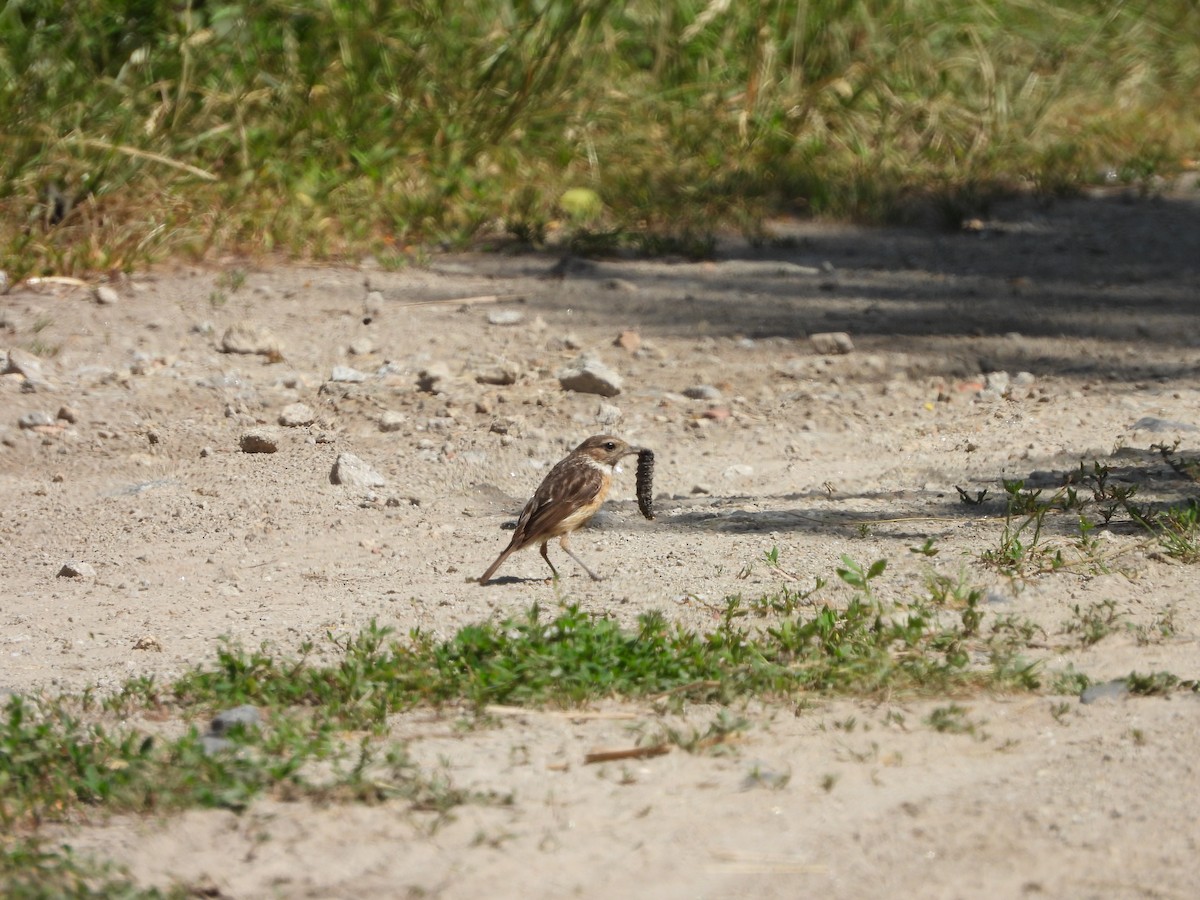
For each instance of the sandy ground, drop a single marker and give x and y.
(192, 540)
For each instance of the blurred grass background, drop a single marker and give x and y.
(131, 130)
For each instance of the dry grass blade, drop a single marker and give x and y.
(137, 153)
(577, 715)
(600, 756)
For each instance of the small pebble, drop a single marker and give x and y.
(105, 295)
(36, 419)
(390, 420)
(1117, 689)
(832, 343)
(296, 415)
(75, 569)
(505, 317)
(587, 375)
(702, 392)
(347, 375)
(351, 471)
(260, 440)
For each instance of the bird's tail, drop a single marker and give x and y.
(491, 570)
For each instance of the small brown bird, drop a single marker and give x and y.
(568, 496)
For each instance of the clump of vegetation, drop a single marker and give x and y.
(131, 129)
(324, 730)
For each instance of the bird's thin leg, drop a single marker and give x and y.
(571, 553)
(546, 557)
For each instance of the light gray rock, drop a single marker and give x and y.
(390, 420)
(74, 569)
(1108, 691)
(607, 414)
(259, 440)
(702, 392)
(246, 715)
(832, 343)
(28, 366)
(1157, 425)
(500, 372)
(212, 745)
(36, 419)
(350, 471)
(296, 415)
(347, 375)
(214, 740)
(505, 317)
(587, 375)
(250, 339)
(999, 382)
(105, 295)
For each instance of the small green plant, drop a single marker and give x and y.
(926, 549)
(44, 349)
(761, 777)
(1021, 552)
(956, 592)
(1152, 684)
(231, 280)
(1021, 502)
(1108, 498)
(1070, 682)
(771, 558)
(969, 499)
(34, 868)
(1161, 628)
(1093, 623)
(1178, 530)
(951, 719)
(859, 578)
(1188, 468)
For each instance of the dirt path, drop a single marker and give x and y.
(1087, 306)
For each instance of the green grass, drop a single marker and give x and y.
(325, 730)
(131, 130)
(324, 734)
(32, 870)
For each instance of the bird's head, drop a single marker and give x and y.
(606, 449)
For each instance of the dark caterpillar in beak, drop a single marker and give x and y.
(645, 480)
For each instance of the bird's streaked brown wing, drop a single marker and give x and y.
(566, 498)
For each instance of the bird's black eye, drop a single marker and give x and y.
(610, 445)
